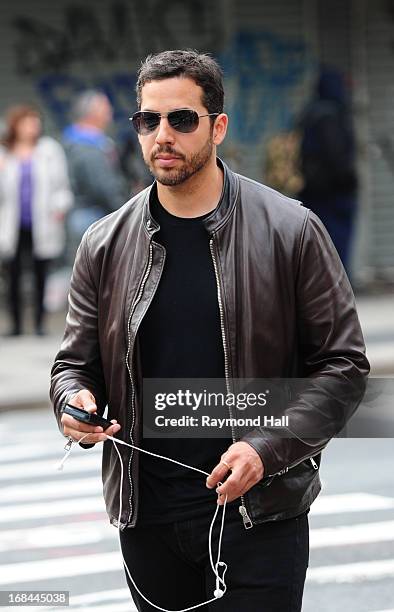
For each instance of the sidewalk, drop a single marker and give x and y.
(377, 320)
(25, 362)
(25, 365)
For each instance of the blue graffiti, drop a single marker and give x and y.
(261, 69)
(58, 91)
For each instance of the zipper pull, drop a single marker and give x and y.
(67, 448)
(314, 464)
(69, 444)
(245, 517)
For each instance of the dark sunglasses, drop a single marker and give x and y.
(183, 120)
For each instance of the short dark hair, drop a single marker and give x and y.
(200, 67)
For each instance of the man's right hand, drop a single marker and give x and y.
(71, 427)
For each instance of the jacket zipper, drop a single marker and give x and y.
(129, 352)
(242, 508)
(293, 465)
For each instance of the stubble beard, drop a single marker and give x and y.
(176, 176)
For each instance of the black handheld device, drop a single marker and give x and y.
(86, 417)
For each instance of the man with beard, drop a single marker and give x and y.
(207, 274)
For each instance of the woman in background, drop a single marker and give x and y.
(34, 198)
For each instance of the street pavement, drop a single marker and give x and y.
(55, 534)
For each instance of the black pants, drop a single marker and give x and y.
(14, 268)
(266, 564)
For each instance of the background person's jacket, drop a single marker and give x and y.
(94, 169)
(51, 200)
(287, 310)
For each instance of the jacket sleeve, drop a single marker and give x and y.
(78, 363)
(334, 364)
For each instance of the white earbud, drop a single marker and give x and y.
(218, 593)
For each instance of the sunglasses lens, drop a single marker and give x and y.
(183, 120)
(145, 122)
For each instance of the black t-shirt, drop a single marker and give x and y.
(180, 337)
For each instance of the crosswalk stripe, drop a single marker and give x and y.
(352, 534)
(120, 607)
(20, 452)
(352, 572)
(61, 534)
(100, 596)
(51, 489)
(103, 601)
(96, 504)
(111, 562)
(67, 567)
(85, 532)
(350, 502)
(66, 507)
(77, 463)
(14, 440)
(13, 435)
(91, 462)
(126, 606)
(64, 488)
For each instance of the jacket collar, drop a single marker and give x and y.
(217, 218)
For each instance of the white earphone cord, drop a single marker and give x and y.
(221, 586)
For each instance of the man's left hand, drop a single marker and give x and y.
(246, 469)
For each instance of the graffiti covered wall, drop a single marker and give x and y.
(54, 52)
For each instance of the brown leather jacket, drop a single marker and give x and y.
(287, 310)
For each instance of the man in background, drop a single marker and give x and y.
(94, 167)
